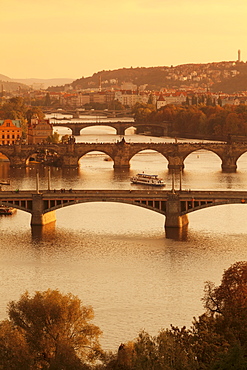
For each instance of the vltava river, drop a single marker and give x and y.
(117, 257)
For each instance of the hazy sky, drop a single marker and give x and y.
(75, 38)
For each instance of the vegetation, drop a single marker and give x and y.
(48, 331)
(208, 120)
(16, 108)
(55, 138)
(229, 77)
(112, 105)
(53, 331)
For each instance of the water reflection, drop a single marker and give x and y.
(180, 234)
(43, 233)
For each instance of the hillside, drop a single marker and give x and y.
(44, 82)
(10, 86)
(13, 84)
(226, 76)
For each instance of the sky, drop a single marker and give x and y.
(76, 38)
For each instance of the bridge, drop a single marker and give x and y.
(174, 205)
(76, 113)
(76, 127)
(160, 129)
(122, 152)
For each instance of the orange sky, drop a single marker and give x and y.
(75, 38)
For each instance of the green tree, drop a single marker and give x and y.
(56, 329)
(54, 138)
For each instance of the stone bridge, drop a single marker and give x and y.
(174, 205)
(120, 126)
(122, 152)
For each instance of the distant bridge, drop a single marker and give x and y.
(122, 152)
(76, 113)
(174, 205)
(160, 129)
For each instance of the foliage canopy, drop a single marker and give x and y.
(54, 330)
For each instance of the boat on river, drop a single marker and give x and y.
(145, 179)
(5, 210)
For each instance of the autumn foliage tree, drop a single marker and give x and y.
(50, 331)
(200, 119)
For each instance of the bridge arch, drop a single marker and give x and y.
(197, 152)
(44, 155)
(132, 203)
(17, 206)
(100, 128)
(148, 149)
(4, 156)
(107, 155)
(202, 161)
(240, 156)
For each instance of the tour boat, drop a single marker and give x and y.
(144, 179)
(5, 210)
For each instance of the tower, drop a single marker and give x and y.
(239, 56)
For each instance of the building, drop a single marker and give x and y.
(10, 131)
(161, 102)
(129, 98)
(39, 130)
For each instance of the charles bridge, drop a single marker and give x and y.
(174, 205)
(121, 152)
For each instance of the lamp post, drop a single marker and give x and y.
(37, 182)
(173, 182)
(180, 178)
(49, 178)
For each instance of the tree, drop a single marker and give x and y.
(14, 351)
(227, 305)
(15, 108)
(34, 111)
(54, 138)
(55, 329)
(142, 111)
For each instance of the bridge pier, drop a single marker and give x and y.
(39, 218)
(70, 161)
(120, 130)
(121, 158)
(175, 163)
(228, 167)
(76, 130)
(174, 218)
(229, 160)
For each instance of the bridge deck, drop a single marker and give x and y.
(108, 194)
(174, 205)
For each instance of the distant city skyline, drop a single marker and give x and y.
(61, 39)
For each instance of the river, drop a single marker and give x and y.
(117, 257)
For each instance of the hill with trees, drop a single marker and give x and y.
(228, 77)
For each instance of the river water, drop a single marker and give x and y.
(116, 257)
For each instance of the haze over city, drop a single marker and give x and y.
(57, 38)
